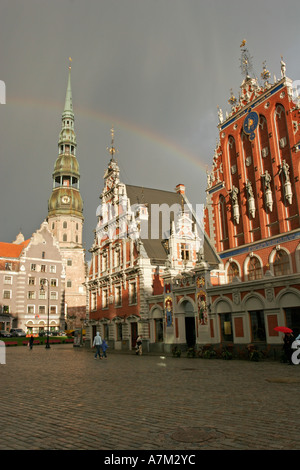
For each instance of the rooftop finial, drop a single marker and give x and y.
(265, 75)
(246, 60)
(112, 149)
(70, 60)
(283, 68)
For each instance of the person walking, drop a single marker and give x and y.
(139, 349)
(31, 341)
(97, 344)
(104, 348)
(287, 346)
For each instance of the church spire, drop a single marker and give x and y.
(65, 198)
(68, 110)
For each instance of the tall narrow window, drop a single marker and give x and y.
(118, 299)
(105, 298)
(257, 322)
(132, 293)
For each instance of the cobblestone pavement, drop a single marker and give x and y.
(62, 398)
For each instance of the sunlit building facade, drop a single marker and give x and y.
(252, 212)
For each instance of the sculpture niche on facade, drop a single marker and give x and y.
(250, 198)
(268, 190)
(284, 171)
(235, 204)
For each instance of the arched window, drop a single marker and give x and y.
(232, 272)
(254, 269)
(64, 237)
(281, 263)
(65, 224)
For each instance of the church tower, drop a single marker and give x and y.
(65, 215)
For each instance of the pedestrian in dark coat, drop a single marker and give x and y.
(287, 346)
(104, 348)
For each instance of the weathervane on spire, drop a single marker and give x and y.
(70, 60)
(246, 60)
(112, 149)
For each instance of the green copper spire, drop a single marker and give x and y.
(68, 102)
(65, 197)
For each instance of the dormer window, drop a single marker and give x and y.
(185, 251)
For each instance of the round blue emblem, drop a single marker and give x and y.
(250, 124)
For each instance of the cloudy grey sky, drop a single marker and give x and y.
(156, 70)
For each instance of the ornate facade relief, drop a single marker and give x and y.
(250, 198)
(268, 191)
(235, 204)
(284, 171)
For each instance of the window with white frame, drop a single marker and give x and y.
(93, 300)
(281, 263)
(254, 269)
(119, 331)
(33, 267)
(104, 261)
(30, 309)
(53, 282)
(117, 256)
(42, 294)
(185, 251)
(105, 298)
(31, 294)
(7, 279)
(132, 293)
(53, 295)
(118, 296)
(52, 268)
(31, 281)
(53, 309)
(42, 309)
(6, 294)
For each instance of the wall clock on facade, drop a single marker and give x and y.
(250, 124)
(65, 199)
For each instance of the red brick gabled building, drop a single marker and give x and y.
(142, 272)
(252, 212)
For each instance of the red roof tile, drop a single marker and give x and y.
(12, 250)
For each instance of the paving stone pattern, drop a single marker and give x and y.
(62, 398)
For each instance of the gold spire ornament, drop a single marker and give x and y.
(112, 149)
(70, 60)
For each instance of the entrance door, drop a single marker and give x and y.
(133, 334)
(293, 319)
(190, 332)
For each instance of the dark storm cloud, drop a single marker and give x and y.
(156, 70)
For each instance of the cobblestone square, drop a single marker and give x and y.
(64, 399)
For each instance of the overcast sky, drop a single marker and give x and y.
(155, 70)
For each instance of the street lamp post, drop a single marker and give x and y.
(46, 281)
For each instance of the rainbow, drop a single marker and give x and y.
(153, 137)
